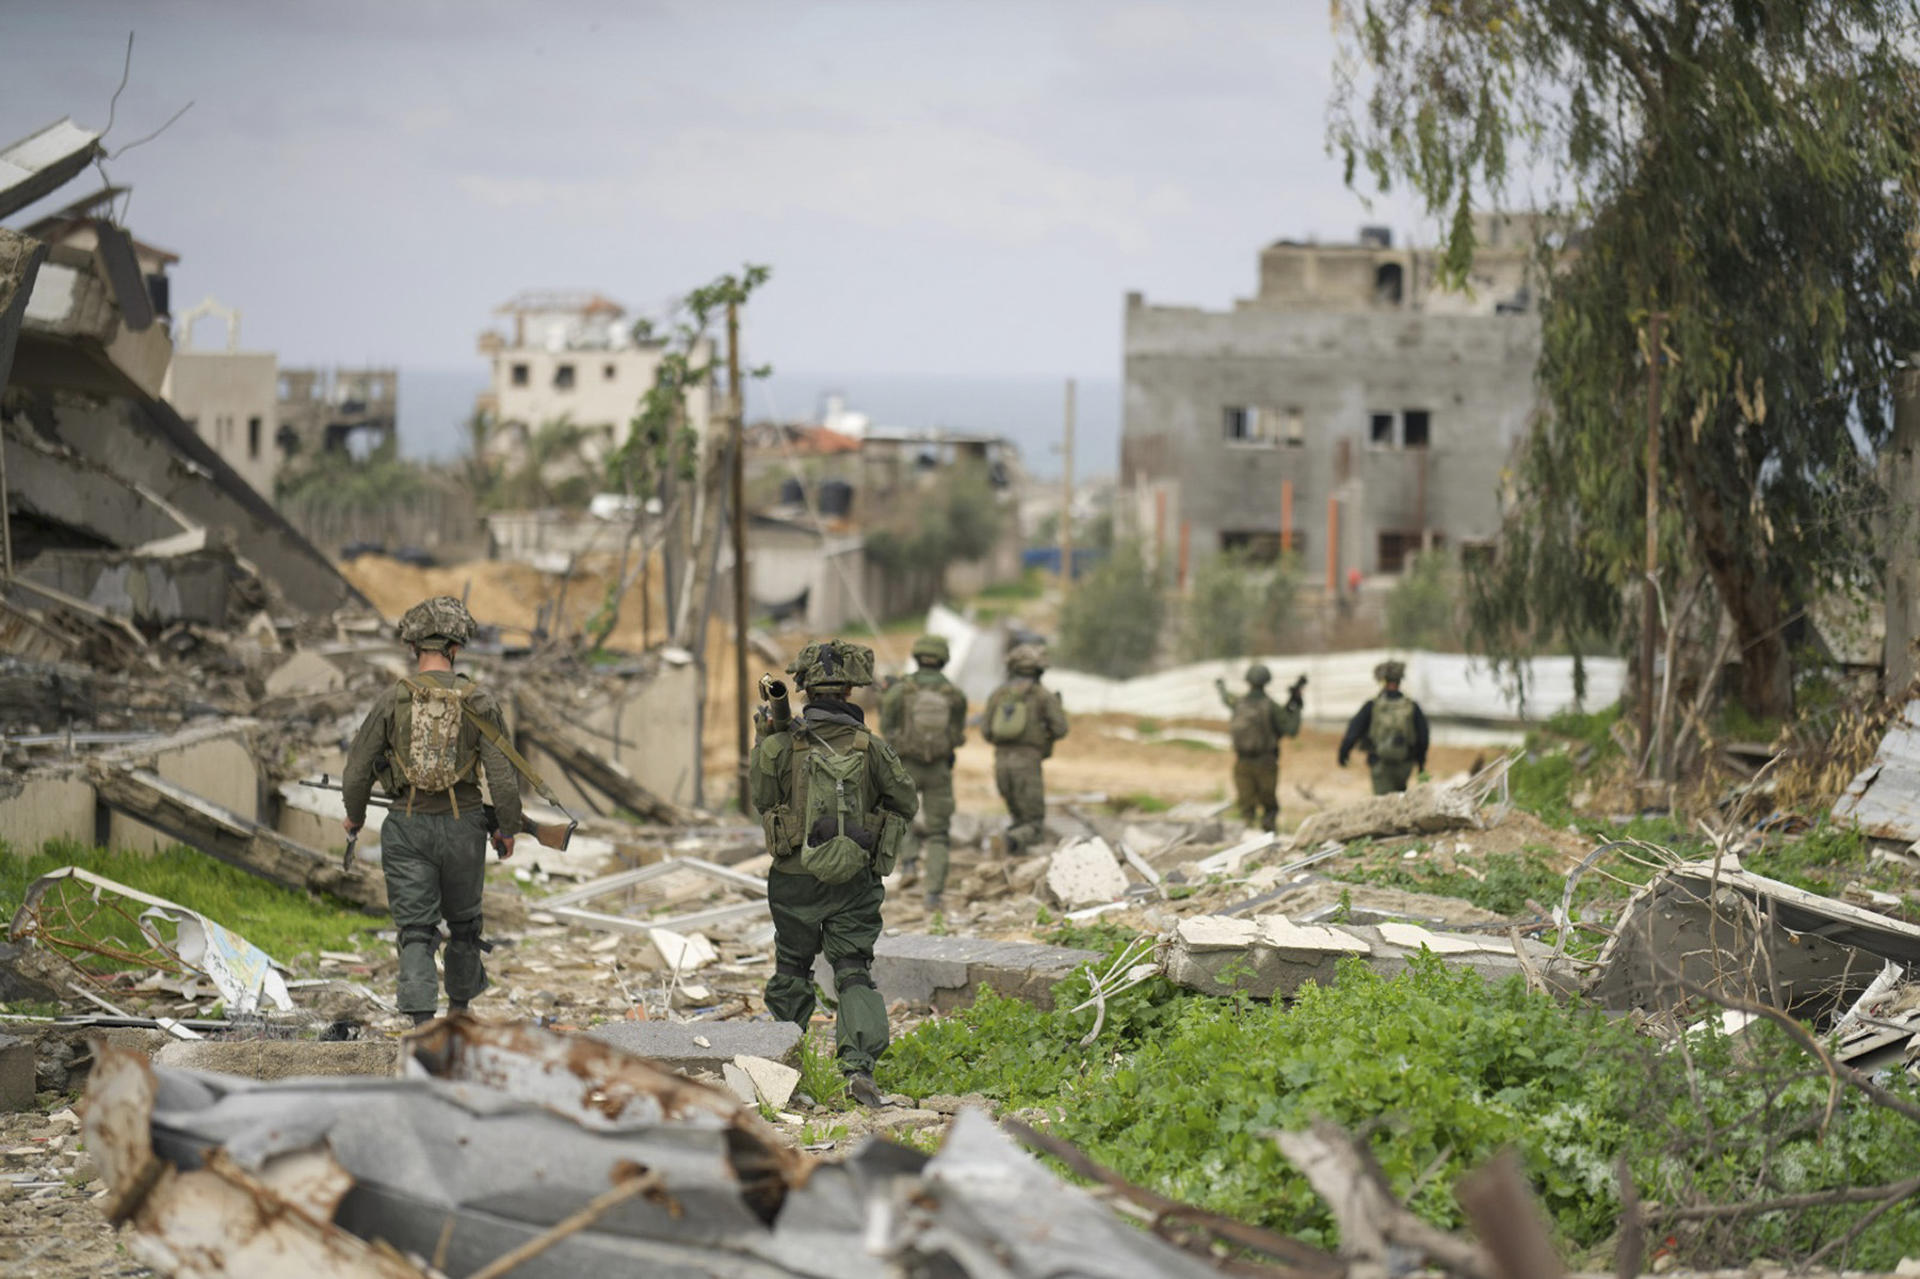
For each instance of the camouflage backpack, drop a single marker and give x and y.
(926, 723)
(1251, 727)
(1392, 729)
(1012, 714)
(426, 735)
(830, 792)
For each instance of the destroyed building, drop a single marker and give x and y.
(1353, 411)
(324, 410)
(572, 357)
(227, 395)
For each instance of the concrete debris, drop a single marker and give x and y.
(1085, 873)
(946, 973)
(1425, 809)
(1272, 957)
(268, 1059)
(682, 953)
(772, 1082)
(17, 1074)
(1884, 800)
(306, 673)
(1719, 930)
(241, 971)
(702, 1047)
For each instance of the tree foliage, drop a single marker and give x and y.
(958, 519)
(1745, 168)
(1423, 608)
(1110, 624)
(1237, 606)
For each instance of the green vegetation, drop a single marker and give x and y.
(334, 481)
(1030, 585)
(1139, 802)
(956, 521)
(1509, 882)
(1423, 608)
(1182, 1093)
(1098, 935)
(1692, 148)
(1236, 605)
(820, 1077)
(284, 923)
(1111, 622)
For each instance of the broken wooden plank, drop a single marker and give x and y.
(655, 870)
(226, 836)
(543, 728)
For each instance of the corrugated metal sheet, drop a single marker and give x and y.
(1884, 800)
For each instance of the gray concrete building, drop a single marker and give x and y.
(1352, 411)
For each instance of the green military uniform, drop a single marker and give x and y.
(1258, 724)
(1393, 731)
(812, 916)
(433, 844)
(926, 748)
(1023, 720)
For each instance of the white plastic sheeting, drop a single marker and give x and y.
(1447, 686)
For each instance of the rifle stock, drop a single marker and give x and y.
(554, 835)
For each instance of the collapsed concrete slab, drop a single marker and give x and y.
(945, 973)
(1702, 926)
(266, 1059)
(679, 1046)
(1272, 957)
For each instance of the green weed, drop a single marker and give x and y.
(1104, 937)
(284, 923)
(820, 1077)
(1138, 801)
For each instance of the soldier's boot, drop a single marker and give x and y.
(421, 1019)
(860, 1028)
(909, 875)
(933, 903)
(419, 984)
(861, 1088)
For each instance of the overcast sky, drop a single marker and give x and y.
(961, 189)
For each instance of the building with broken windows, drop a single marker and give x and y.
(1352, 411)
(227, 395)
(576, 358)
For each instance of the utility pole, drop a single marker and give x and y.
(738, 411)
(1649, 598)
(1066, 496)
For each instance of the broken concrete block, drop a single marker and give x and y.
(772, 1082)
(682, 952)
(1266, 958)
(1085, 873)
(739, 1083)
(305, 674)
(283, 1058)
(1414, 937)
(702, 1047)
(16, 1073)
(946, 973)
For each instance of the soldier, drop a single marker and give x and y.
(1391, 729)
(1257, 726)
(835, 803)
(426, 739)
(1023, 720)
(924, 718)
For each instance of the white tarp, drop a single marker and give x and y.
(1447, 686)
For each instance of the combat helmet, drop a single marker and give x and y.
(933, 648)
(433, 624)
(1027, 659)
(1390, 672)
(1258, 675)
(832, 662)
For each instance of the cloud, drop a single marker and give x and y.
(885, 175)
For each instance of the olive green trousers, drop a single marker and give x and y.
(931, 851)
(842, 922)
(436, 868)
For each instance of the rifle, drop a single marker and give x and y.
(555, 835)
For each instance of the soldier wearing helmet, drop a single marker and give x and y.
(427, 740)
(924, 718)
(1023, 720)
(1392, 729)
(835, 803)
(1257, 725)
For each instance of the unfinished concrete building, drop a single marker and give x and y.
(227, 395)
(321, 410)
(1352, 412)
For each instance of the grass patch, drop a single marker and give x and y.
(820, 1077)
(1030, 585)
(1147, 727)
(1094, 936)
(1511, 881)
(1138, 801)
(1182, 1093)
(284, 923)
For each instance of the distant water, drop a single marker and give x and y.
(435, 405)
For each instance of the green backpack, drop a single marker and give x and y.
(1007, 726)
(1251, 728)
(1392, 730)
(926, 723)
(830, 792)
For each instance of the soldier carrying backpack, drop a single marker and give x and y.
(1256, 728)
(1392, 730)
(428, 739)
(1023, 720)
(835, 803)
(924, 718)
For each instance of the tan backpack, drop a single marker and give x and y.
(426, 735)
